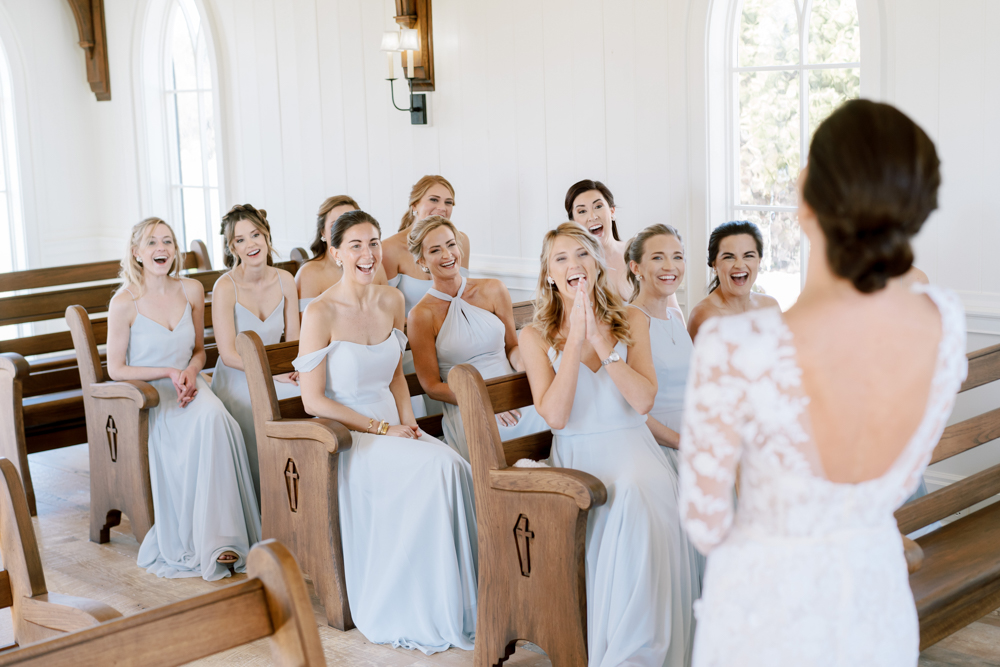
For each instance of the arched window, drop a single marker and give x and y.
(12, 243)
(189, 114)
(795, 62)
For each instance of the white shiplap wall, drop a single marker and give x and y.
(532, 95)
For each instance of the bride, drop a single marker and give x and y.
(810, 569)
(407, 521)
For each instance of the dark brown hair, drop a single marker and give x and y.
(872, 181)
(732, 228)
(587, 185)
(257, 217)
(637, 246)
(348, 220)
(318, 246)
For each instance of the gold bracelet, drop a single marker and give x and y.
(383, 428)
(370, 422)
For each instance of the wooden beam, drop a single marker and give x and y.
(89, 16)
(417, 14)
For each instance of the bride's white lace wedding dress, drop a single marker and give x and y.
(805, 571)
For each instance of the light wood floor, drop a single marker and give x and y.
(76, 566)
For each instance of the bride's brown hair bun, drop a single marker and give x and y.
(872, 181)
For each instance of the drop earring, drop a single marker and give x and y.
(339, 263)
(425, 269)
(550, 281)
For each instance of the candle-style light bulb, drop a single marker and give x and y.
(410, 42)
(390, 44)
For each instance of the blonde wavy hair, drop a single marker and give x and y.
(549, 309)
(419, 231)
(131, 271)
(420, 188)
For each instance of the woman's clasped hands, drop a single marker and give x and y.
(186, 383)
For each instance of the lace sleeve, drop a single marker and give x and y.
(711, 439)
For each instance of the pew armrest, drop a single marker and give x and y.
(141, 393)
(65, 613)
(328, 432)
(584, 488)
(913, 553)
(15, 364)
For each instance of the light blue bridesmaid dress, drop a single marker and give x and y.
(407, 519)
(413, 290)
(230, 384)
(672, 349)
(203, 499)
(639, 600)
(471, 335)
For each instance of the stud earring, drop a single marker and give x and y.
(551, 282)
(638, 277)
(138, 260)
(339, 263)
(425, 269)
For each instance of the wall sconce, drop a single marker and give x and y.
(406, 42)
(415, 42)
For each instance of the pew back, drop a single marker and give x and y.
(957, 580)
(272, 603)
(532, 530)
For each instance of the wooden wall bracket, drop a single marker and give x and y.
(417, 14)
(89, 16)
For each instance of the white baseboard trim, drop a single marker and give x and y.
(938, 480)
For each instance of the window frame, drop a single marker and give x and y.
(803, 13)
(154, 127)
(10, 183)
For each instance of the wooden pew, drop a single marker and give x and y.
(299, 256)
(299, 459)
(118, 433)
(49, 398)
(197, 259)
(36, 613)
(272, 603)
(532, 530)
(298, 454)
(957, 580)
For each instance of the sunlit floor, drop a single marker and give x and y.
(76, 566)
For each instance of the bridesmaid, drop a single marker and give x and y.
(462, 321)
(432, 195)
(591, 205)
(734, 252)
(250, 297)
(655, 258)
(203, 500)
(316, 275)
(406, 506)
(591, 372)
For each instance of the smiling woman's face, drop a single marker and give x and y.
(569, 263)
(360, 252)
(156, 252)
(438, 200)
(441, 253)
(737, 264)
(662, 266)
(592, 212)
(249, 243)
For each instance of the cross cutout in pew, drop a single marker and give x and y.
(292, 484)
(112, 438)
(522, 536)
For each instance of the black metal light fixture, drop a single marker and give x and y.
(406, 41)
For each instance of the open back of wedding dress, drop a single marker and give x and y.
(804, 571)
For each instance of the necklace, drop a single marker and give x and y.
(670, 325)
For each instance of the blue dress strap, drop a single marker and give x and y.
(401, 339)
(306, 362)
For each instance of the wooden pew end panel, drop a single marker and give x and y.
(14, 371)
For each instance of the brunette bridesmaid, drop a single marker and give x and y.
(734, 252)
(591, 205)
(252, 296)
(320, 272)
